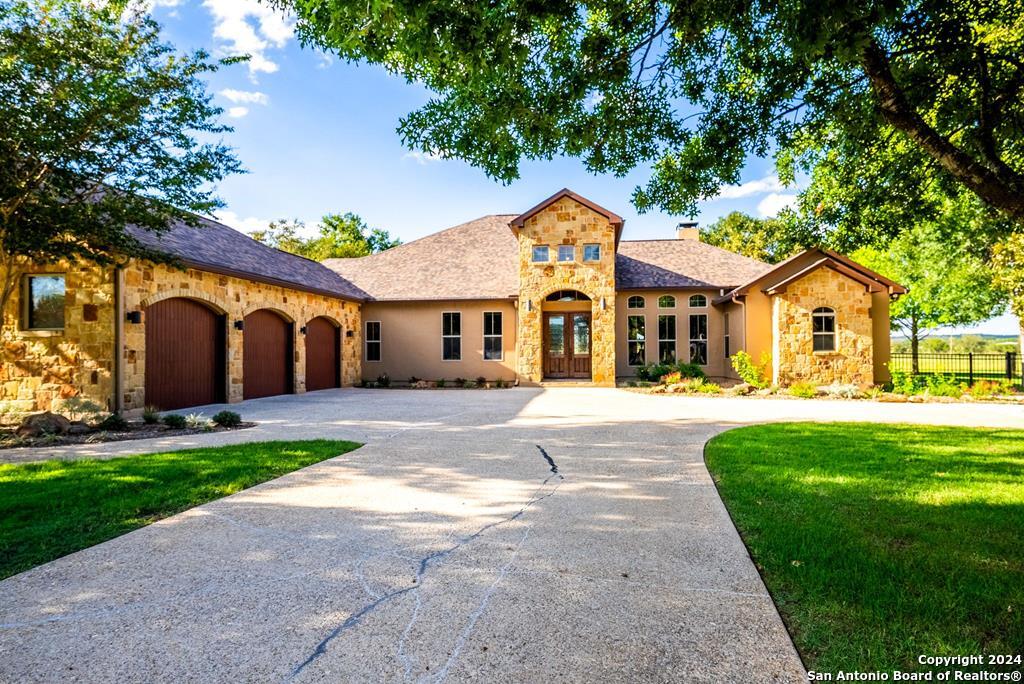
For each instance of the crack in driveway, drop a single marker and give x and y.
(424, 564)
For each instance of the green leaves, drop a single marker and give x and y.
(341, 236)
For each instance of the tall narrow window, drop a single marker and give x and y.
(666, 302)
(823, 321)
(451, 336)
(725, 324)
(637, 336)
(44, 302)
(667, 338)
(698, 301)
(699, 339)
(635, 302)
(492, 336)
(372, 341)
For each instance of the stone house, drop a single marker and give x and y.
(553, 294)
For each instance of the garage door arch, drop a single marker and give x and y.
(267, 354)
(323, 354)
(185, 353)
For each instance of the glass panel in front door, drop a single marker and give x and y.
(556, 335)
(580, 334)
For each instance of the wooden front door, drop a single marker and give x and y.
(567, 345)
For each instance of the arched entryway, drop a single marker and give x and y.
(323, 354)
(185, 352)
(567, 335)
(267, 355)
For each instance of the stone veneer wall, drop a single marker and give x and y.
(40, 368)
(793, 351)
(567, 222)
(146, 284)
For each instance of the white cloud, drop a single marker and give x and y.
(250, 27)
(423, 158)
(246, 225)
(775, 202)
(237, 112)
(756, 187)
(244, 96)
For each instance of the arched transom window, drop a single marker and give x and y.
(698, 301)
(666, 302)
(567, 296)
(635, 302)
(823, 324)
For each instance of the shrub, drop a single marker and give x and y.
(228, 419)
(196, 420)
(440, 383)
(749, 372)
(709, 388)
(841, 391)
(803, 389)
(151, 415)
(80, 407)
(174, 420)
(383, 380)
(905, 383)
(115, 422)
(481, 381)
(460, 382)
(691, 370)
(983, 389)
(469, 384)
(499, 383)
(653, 371)
(943, 386)
(413, 379)
(671, 378)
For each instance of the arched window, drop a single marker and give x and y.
(823, 325)
(666, 302)
(635, 302)
(698, 301)
(567, 296)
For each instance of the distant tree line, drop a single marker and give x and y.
(339, 236)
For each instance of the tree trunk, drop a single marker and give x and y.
(1002, 189)
(915, 343)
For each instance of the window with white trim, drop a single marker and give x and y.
(44, 302)
(591, 252)
(823, 327)
(699, 339)
(540, 254)
(667, 338)
(666, 302)
(451, 336)
(636, 327)
(372, 341)
(635, 302)
(492, 336)
(698, 301)
(566, 252)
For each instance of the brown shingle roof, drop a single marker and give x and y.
(474, 260)
(212, 246)
(653, 264)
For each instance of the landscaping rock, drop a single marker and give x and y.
(78, 428)
(43, 423)
(421, 384)
(742, 389)
(887, 398)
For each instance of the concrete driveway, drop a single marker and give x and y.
(507, 536)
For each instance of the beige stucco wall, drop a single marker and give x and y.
(567, 222)
(411, 341)
(41, 368)
(145, 284)
(853, 359)
(717, 367)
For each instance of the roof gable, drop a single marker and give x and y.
(614, 219)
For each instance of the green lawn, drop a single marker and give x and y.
(882, 542)
(49, 509)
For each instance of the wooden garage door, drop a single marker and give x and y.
(322, 368)
(184, 354)
(266, 355)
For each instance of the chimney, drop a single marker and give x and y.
(687, 230)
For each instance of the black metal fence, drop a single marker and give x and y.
(965, 367)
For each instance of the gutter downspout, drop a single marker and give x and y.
(118, 360)
(515, 310)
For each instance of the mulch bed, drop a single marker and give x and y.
(8, 440)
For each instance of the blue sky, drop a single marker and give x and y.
(317, 135)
